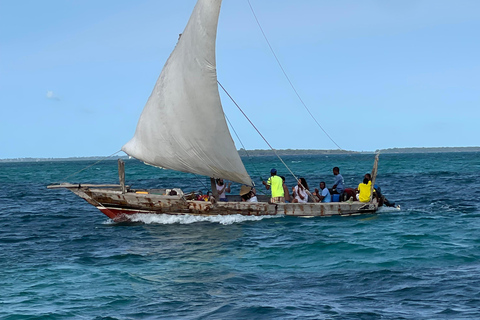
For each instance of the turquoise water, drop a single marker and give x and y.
(60, 258)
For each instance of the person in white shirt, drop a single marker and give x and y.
(221, 189)
(300, 191)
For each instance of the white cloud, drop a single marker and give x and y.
(52, 96)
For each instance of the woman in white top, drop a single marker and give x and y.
(300, 191)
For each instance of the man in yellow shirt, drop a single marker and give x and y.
(364, 190)
(275, 183)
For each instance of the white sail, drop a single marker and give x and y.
(182, 126)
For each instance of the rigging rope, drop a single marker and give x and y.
(258, 131)
(243, 146)
(288, 79)
(244, 149)
(103, 159)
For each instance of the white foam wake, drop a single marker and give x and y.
(188, 219)
(389, 209)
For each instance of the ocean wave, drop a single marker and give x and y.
(189, 219)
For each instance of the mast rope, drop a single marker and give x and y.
(258, 131)
(243, 146)
(288, 79)
(264, 139)
(75, 173)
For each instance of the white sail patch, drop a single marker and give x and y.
(182, 126)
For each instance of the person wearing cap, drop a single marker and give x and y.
(275, 183)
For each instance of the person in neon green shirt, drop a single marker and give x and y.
(275, 183)
(364, 190)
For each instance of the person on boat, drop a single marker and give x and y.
(377, 193)
(338, 184)
(324, 195)
(275, 183)
(222, 188)
(248, 194)
(364, 190)
(286, 193)
(299, 192)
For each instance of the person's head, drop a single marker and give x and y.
(283, 178)
(303, 182)
(322, 185)
(273, 171)
(336, 170)
(368, 176)
(365, 180)
(220, 181)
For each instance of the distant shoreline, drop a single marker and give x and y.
(281, 152)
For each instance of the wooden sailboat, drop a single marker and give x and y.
(183, 128)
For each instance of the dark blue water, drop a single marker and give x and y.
(60, 258)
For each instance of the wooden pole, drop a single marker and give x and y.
(374, 175)
(121, 174)
(213, 184)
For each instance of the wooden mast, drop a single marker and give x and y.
(213, 185)
(374, 175)
(121, 175)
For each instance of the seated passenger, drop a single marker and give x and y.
(324, 195)
(299, 192)
(364, 190)
(248, 194)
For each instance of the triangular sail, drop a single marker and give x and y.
(182, 126)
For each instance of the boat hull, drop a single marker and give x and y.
(120, 206)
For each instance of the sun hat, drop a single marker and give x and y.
(244, 190)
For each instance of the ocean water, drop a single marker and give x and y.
(61, 258)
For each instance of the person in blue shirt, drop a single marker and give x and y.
(324, 195)
(339, 184)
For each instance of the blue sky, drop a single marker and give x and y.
(75, 75)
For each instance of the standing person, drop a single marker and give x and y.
(275, 183)
(339, 184)
(323, 195)
(299, 192)
(221, 189)
(285, 191)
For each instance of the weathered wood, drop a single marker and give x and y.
(121, 174)
(119, 206)
(374, 175)
(78, 185)
(213, 185)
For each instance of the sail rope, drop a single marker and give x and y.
(264, 139)
(75, 173)
(244, 149)
(258, 131)
(288, 79)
